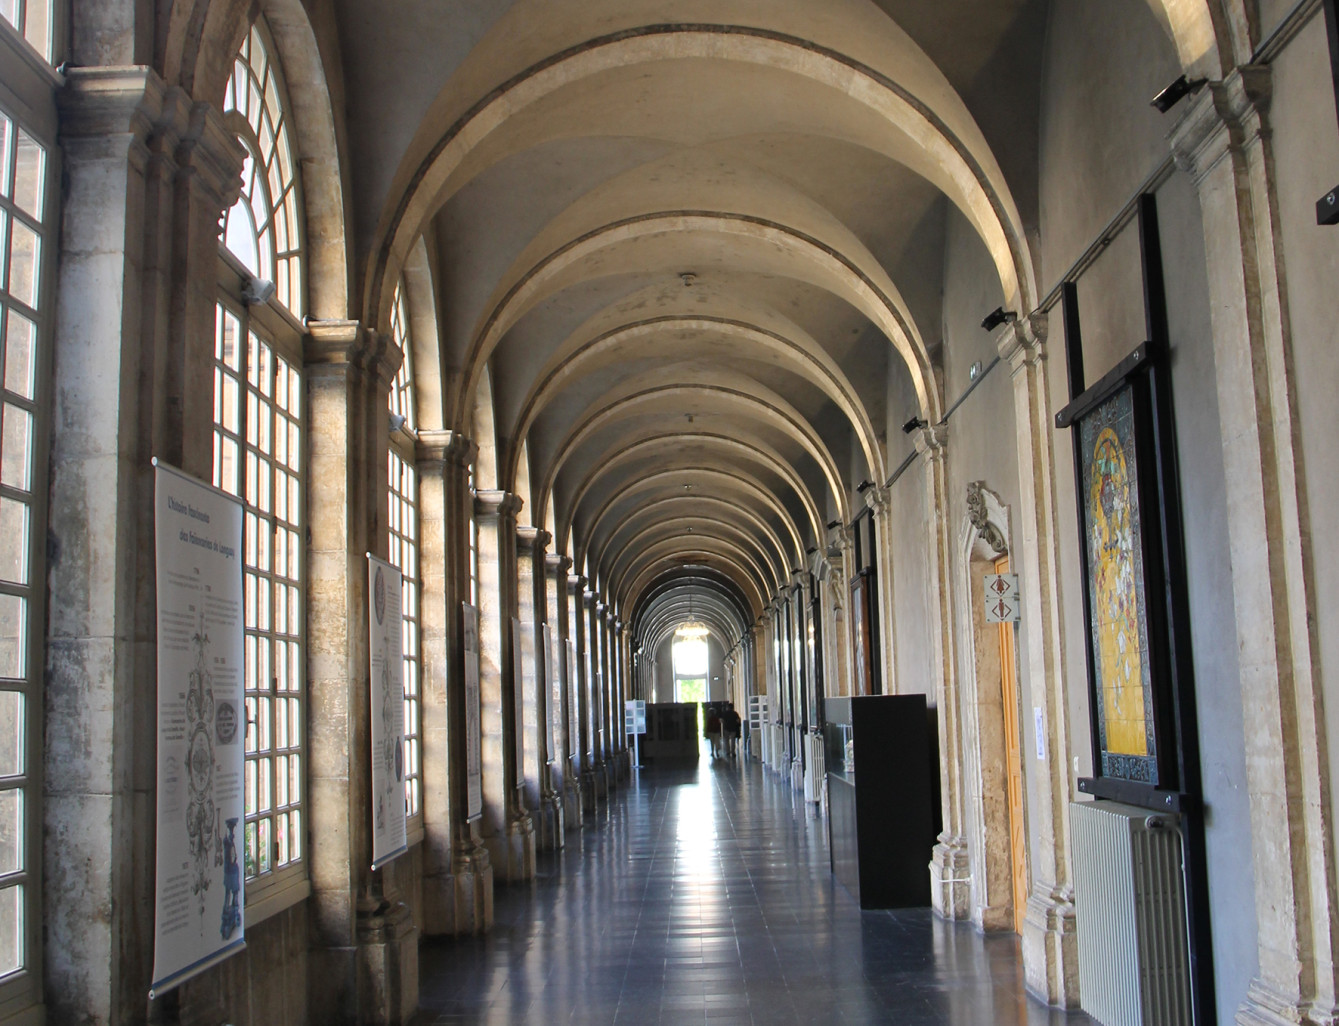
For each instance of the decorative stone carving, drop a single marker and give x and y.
(979, 514)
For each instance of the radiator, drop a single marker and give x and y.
(1129, 898)
(814, 771)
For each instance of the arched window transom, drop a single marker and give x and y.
(264, 227)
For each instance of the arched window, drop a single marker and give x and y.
(264, 227)
(403, 531)
(260, 456)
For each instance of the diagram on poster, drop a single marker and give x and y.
(386, 654)
(474, 789)
(198, 896)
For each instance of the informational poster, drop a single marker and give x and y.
(553, 682)
(385, 647)
(474, 777)
(518, 653)
(573, 705)
(198, 897)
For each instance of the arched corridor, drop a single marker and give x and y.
(704, 895)
(414, 412)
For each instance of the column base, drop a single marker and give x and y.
(387, 965)
(459, 902)
(796, 775)
(589, 797)
(950, 878)
(572, 804)
(550, 819)
(1262, 1007)
(520, 848)
(1051, 949)
(601, 778)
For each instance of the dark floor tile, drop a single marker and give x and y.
(703, 895)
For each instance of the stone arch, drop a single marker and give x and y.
(426, 359)
(928, 124)
(811, 362)
(1202, 42)
(983, 537)
(484, 433)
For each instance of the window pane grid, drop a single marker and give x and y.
(402, 391)
(403, 517)
(270, 244)
(23, 181)
(32, 20)
(257, 425)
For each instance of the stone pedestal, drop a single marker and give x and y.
(387, 965)
(950, 878)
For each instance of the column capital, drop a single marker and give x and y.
(557, 564)
(1224, 115)
(432, 446)
(876, 499)
(575, 584)
(339, 344)
(113, 101)
(527, 539)
(493, 503)
(1023, 341)
(931, 442)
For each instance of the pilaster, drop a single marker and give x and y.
(877, 501)
(1050, 946)
(1223, 141)
(585, 752)
(457, 871)
(145, 172)
(567, 772)
(364, 946)
(533, 663)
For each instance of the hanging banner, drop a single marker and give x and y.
(518, 653)
(573, 705)
(385, 647)
(474, 778)
(553, 681)
(198, 898)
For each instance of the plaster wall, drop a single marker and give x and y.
(1100, 140)
(1306, 163)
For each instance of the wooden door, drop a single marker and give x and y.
(1013, 762)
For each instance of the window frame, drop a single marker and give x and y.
(279, 889)
(27, 98)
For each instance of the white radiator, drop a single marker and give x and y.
(815, 772)
(1129, 898)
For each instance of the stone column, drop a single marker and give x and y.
(1050, 948)
(595, 693)
(364, 945)
(584, 762)
(508, 830)
(457, 873)
(877, 499)
(146, 176)
(545, 807)
(1223, 141)
(621, 696)
(950, 869)
(569, 782)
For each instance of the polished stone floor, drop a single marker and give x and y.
(703, 896)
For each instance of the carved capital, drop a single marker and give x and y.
(432, 446)
(338, 345)
(209, 152)
(1226, 115)
(876, 499)
(1023, 342)
(558, 565)
(931, 442)
(489, 504)
(527, 541)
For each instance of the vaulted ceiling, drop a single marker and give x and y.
(685, 252)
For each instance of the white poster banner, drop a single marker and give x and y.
(553, 683)
(573, 705)
(386, 654)
(474, 777)
(198, 897)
